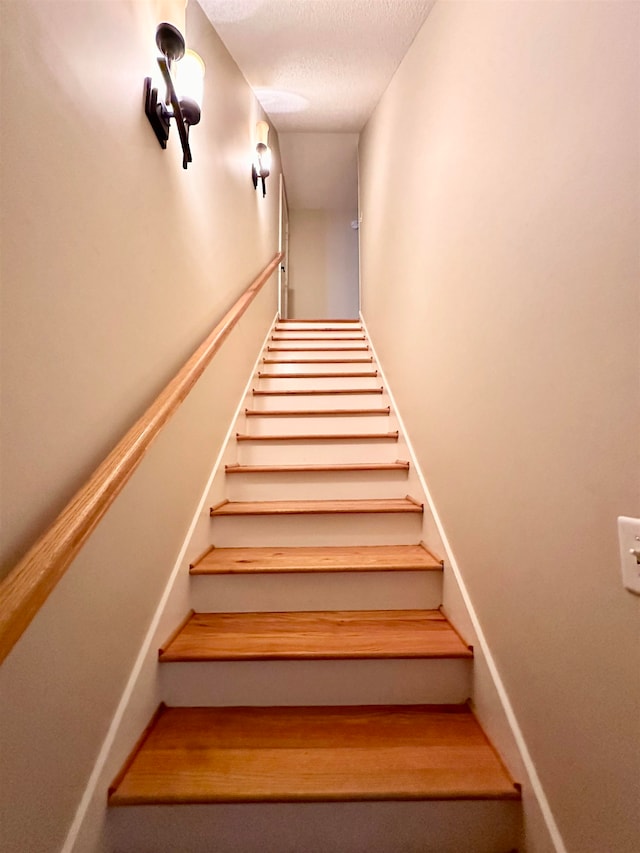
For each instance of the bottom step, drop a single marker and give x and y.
(313, 754)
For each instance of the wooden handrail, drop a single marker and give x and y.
(26, 588)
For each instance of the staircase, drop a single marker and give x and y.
(316, 695)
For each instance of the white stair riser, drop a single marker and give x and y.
(316, 349)
(317, 452)
(313, 591)
(319, 425)
(320, 383)
(329, 485)
(320, 401)
(315, 682)
(378, 827)
(295, 367)
(317, 530)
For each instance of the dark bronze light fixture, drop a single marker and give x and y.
(183, 96)
(262, 162)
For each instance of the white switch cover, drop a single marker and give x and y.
(629, 538)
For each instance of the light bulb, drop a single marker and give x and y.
(189, 77)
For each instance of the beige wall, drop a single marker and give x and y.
(321, 171)
(115, 261)
(323, 264)
(115, 264)
(500, 195)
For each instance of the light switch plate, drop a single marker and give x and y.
(629, 538)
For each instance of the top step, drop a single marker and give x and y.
(341, 328)
(290, 321)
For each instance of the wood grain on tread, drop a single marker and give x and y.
(346, 374)
(337, 468)
(315, 392)
(318, 328)
(227, 755)
(338, 360)
(374, 505)
(288, 320)
(318, 349)
(323, 338)
(319, 635)
(369, 436)
(352, 558)
(314, 413)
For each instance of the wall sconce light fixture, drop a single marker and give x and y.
(184, 95)
(262, 162)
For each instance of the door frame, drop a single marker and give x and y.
(283, 246)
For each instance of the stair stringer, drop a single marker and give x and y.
(489, 697)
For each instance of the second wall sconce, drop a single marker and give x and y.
(184, 94)
(262, 162)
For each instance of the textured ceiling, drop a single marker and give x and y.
(317, 65)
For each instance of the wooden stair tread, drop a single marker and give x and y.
(315, 392)
(326, 327)
(315, 413)
(227, 755)
(393, 505)
(352, 558)
(359, 436)
(316, 635)
(289, 320)
(338, 467)
(318, 349)
(345, 337)
(358, 360)
(346, 374)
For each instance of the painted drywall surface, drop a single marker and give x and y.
(499, 260)
(115, 264)
(321, 173)
(323, 265)
(90, 831)
(321, 170)
(115, 260)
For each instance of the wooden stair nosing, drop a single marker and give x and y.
(318, 349)
(316, 635)
(347, 374)
(228, 508)
(352, 753)
(337, 467)
(314, 413)
(314, 392)
(371, 436)
(350, 558)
